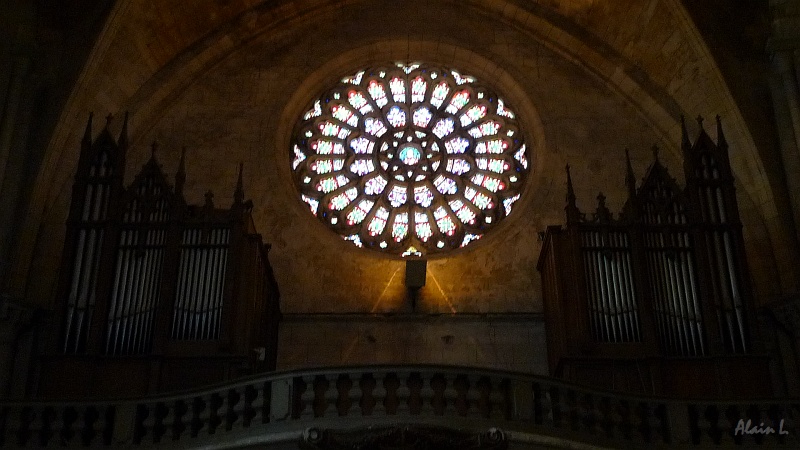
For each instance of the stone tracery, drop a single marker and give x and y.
(410, 160)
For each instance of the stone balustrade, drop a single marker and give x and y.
(304, 406)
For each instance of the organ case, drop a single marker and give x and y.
(658, 299)
(152, 289)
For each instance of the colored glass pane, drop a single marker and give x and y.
(396, 117)
(298, 157)
(445, 185)
(398, 87)
(520, 156)
(457, 166)
(485, 129)
(410, 155)
(443, 127)
(495, 146)
(398, 195)
(422, 117)
(473, 114)
(422, 226)
(507, 203)
(362, 166)
(439, 94)
(491, 164)
(457, 145)
(378, 223)
(418, 88)
(457, 102)
(359, 213)
(444, 222)
(400, 226)
(344, 114)
(374, 127)
(362, 145)
(377, 93)
(423, 196)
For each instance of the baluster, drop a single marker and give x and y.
(555, 397)
(26, 416)
(343, 400)
(41, 427)
(200, 415)
(143, 423)
(392, 401)
(500, 399)
(573, 409)
(608, 419)
(234, 407)
(712, 415)
(304, 397)
(104, 425)
(178, 419)
(414, 384)
(437, 386)
(330, 394)
(659, 424)
(739, 420)
(319, 386)
(541, 406)
(457, 389)
(591, 417)
(161, 417)
(378, 394)
(361, 395)
(426, 394)
(252, 404)
(473, 396)
(448, 394)
(215, 412)
(642, 422)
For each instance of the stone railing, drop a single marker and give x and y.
(480, 408)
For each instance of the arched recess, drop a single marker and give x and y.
(553, 29)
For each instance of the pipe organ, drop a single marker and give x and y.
(153, 285)
(659, 296)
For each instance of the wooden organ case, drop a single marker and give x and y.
(154, 294)
(657, 301)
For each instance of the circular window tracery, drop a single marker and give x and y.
(409, 160)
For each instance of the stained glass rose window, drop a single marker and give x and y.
(409, 159)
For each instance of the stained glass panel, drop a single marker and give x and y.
(409, 151)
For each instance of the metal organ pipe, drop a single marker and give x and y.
(588, 275)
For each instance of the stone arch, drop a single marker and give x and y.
(166, 81)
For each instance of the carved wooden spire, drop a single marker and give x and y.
(86, 143)
(722, 143)
(153, 149)
(123, 135)
(180, 175)
(573, 214)
(238, 195)
(631, 207)
(686, 144)
(630, 178)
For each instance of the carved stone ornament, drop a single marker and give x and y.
(409, 437)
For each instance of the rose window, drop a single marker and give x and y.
(409, 160)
